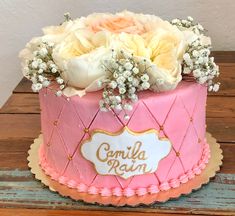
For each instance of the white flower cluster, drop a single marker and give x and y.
(126, 76)
(42, 70)
(196, 60)
(203, 68)
(197, 28)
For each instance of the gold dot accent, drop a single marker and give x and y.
(86, 130)
(161, 128)
(70, 157)
(55, 122)
(191, 119)
(177, 154)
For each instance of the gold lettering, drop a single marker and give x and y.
(114, 158)
(114, 166)
(136, 153)
(104, 146)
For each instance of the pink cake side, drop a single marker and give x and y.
(178, 115)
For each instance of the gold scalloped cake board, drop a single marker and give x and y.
(212, 167)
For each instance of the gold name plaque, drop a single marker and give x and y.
(125, 153)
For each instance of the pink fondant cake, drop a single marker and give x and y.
(178, 115)
(122, 101)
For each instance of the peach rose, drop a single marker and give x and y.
(121, 22)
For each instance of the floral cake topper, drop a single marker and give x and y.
(121, 54)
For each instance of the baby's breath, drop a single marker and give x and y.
(125, 78)
(197, 62)
(42, 70)
(197, 28)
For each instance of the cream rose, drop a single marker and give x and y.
(167, 47)
(58, 33)
(52, 34)
(79, 56)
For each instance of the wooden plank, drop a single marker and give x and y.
(222, 129)
(224, 56)
(18, 187)
(49, 212)
(24, 86)
(227, 80)
(21, 103)
(19, 126)
(13, 159)
(229, 159)
(27, 127)
(220, 107)
(14, 145)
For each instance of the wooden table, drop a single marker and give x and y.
(21, 194)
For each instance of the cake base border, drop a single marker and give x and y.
(210, 170)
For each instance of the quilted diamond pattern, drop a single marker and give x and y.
(199, 113)
(165, 165)
(175, 170)
(154, 105)
(72, 127)
(181, 119)
(103, 181)
(143, 181)
(102, 121)
(120, 115)
(142, 119)
(172, 114)
(80, 169)
(124, 182)
(81, 107)
(51, 100)
(57, 148)
(191, 137)
(84, 169)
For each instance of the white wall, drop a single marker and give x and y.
(22, 19)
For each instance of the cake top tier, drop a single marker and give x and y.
(122, 53)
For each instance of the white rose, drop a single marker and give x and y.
(167, 47)
(162, 80)
(52, 34)
(58, 33)
(76, 44)
(84, 71)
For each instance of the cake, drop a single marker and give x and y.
(122, 100)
